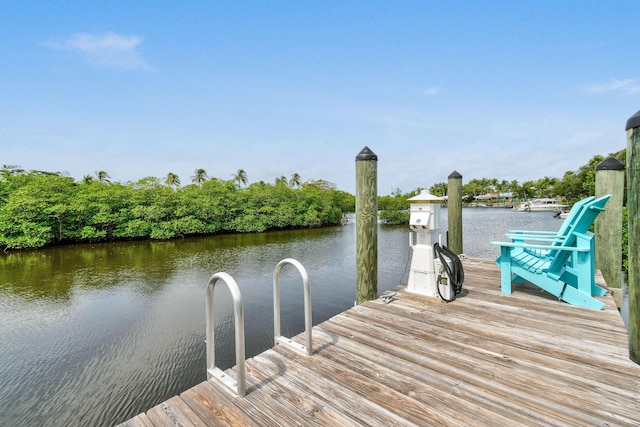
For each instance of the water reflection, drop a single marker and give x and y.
(95, 334)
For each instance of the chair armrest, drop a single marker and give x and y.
(533, 237)
(530, 232)
(531, 246)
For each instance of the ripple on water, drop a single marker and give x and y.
(117, 329)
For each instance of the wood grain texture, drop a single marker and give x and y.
(139, 420)
(366, 231)
(633, 205)
(484, 359)
(454, 215)
(608, 226)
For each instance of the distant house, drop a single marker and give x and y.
(487, 197)
(491, 199)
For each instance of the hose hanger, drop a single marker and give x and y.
(454, 271)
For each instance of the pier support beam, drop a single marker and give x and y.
(366, 226)
(608, 225)
(454, 213)
(633, 205)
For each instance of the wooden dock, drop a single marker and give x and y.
(487, 359)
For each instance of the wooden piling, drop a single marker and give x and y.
(633, 205)
(454, 212)
(366, 226)
(608, 225)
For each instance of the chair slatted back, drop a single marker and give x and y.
(583, 220)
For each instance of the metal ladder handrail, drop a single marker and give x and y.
(308, 324)
(239, 383)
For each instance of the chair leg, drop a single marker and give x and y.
(575, 297)
(505, 270)
(598, 290)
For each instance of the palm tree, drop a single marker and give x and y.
(240, 177)
(545, 185)
(493, 183)
(199, 177)
(172, 180)
(282, 180)
(295, 180)
(439, 189)
(87, 179)
(103, 177)
(12, 170)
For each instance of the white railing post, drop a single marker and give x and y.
(239, 383)
(308, 323)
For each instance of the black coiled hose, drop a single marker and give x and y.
(455, 272)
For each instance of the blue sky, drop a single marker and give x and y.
(505, 89)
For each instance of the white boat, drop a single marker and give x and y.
(545, 204)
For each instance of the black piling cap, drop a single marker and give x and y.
(610, 164)
(634, 121)
(455, 175)
(366, 154)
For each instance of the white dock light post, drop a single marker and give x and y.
(424, 221)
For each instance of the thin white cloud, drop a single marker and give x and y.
(431, 91)
(626, 86)
(109, 50)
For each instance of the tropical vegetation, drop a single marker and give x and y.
(573, 186)
(40, 208)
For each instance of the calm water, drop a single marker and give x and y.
(95, 334)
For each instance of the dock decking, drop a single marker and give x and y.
(485, 359)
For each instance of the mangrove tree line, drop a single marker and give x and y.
(42, 208)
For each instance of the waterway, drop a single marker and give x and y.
(95, 334)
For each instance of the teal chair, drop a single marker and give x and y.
(553, 237)
(564, 266)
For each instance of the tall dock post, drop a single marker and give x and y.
(633, 205)
(608, 226)
(454, 212)
(366, 226)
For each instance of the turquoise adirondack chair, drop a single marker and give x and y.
(565, 267)
(555, 238)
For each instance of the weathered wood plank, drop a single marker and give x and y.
(401, 403)
(334, 392)
(139, 420)
(276, 389)
(459, 393)
(538, 307)
(466, 365)
(439, 328)
(537, 362)
(445, 398)
(464, 377)
(551, 339)
(485, 359)
(480, 276)
(174, 412)
(527, 296)
(610, 327)
(274, 408)
(216, 406)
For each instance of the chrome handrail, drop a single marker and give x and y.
(239, 383)
(308, 324)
